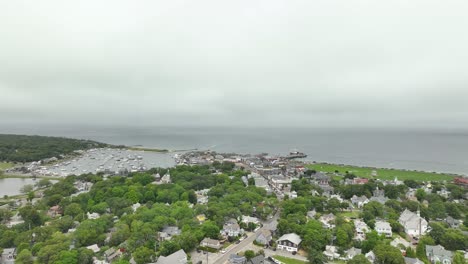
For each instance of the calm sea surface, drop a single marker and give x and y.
(420, 150)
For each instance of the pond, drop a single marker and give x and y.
(12, 186)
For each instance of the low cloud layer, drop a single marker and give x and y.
(267, 63)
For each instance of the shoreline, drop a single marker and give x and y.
(383, 168)
(371, 172)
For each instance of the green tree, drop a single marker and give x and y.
(210, 229)
(459, 258)
(68, 257)
(454, 239)
(27, 188)
(5, 215)
(372, 239)
(420, 194)
(359, 259)
(341, 237)
(421, 248)
(249, 254)
(316, 257)
(24, 257)
(31, 196)
(44, 183)
(437, 231)
(73, 210)
(143, 255)
(30, 216)
(386, 254)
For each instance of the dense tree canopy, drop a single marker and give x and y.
(20, 148)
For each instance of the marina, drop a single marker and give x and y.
(105, 160)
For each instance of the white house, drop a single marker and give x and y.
(361, 229)
(231, 229)
(359, 201)
(289, 242)
(400, 243)
(331, 252)
(413, 223)
(92, 216)
(328, 220)
(383, 227)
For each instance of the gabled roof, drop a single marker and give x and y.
(178, 257)
(438, 251)
(296, 239)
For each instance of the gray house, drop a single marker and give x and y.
(438, 254)
(178, 257)
(264, 237)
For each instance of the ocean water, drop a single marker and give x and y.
(415, 150)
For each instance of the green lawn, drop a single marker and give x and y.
(354, 214)
(5, 165)
(289, 260)
(383, 174)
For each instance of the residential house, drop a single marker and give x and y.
(379, 196)
(461, 181)
(179, 257)
(438, 254)
(411, 195)
(361, 229)
(166, 178)
(293, 195)
(413, 261)
(400, 243)
(264, 237)
(231, 229)
(452, 222)
(136, 206)
(327, 190)
(444, 193)
(280, 182)
(260, 259)
(95, 248)
(289, 242)
(8, 256)
(168, 232)
(383, 227)
(351, 253)
(359, 201)
(249, 219)
(336, 196)
(311, 214)
(236, 259)
(413, 223)
(328, 220)
(15, 220)
(331, 252)
(112, 254)
(210, 243)
(321, 179)
(55, 211)
(92, 216)
(370, 256)
(201, 218)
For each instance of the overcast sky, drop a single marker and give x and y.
(267, 63)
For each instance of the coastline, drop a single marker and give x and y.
(381, 173)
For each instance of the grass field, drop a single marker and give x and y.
(288, 260)
(5, 165)
(354, 214)
(383, 174)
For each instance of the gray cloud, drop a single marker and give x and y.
(314, 63)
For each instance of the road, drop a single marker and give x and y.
(244, 244)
